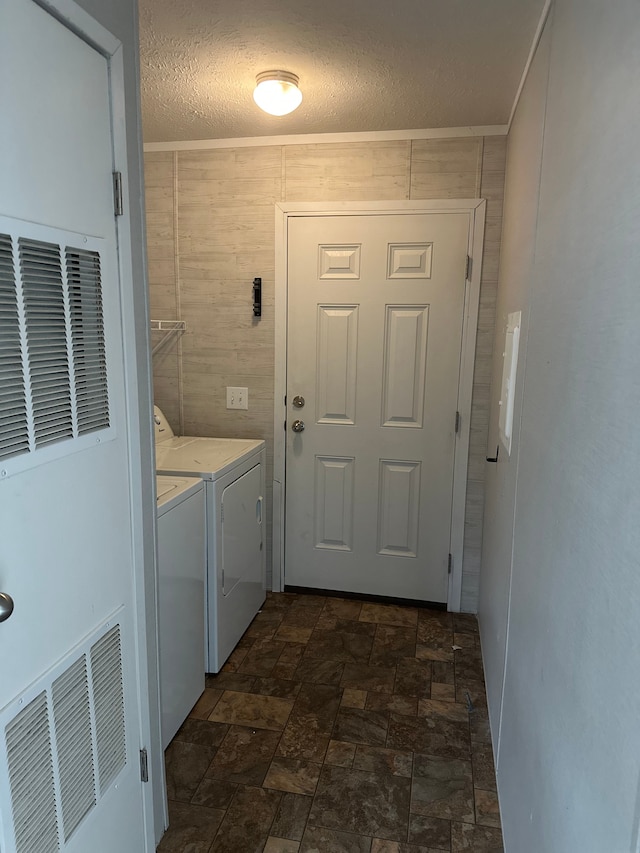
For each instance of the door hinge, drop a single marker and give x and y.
(117, 193)
(457, 422)
(450, 566)
(285, 426)
(467, 273)
(144, 766)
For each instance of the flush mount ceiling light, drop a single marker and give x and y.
(277, 92)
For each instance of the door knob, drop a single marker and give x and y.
(6, 606)
(297, 426)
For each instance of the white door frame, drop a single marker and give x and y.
(476, 208)
(137, 387)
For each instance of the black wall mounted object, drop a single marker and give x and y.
(257, 297)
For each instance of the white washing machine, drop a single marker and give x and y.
(233, 471)
(181, 595)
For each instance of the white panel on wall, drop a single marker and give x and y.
(337, 341)
(405, 363)
(338, 262)
(334, 502)
(508, 386)
(398, 507)
(410, 260)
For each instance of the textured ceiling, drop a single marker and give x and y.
(364, 65)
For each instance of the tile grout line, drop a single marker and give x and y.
(255, 683)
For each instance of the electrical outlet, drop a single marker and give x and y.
(237, 398)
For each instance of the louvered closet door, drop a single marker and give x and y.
(69, 712)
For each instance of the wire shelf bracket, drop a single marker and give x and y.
(170, 328)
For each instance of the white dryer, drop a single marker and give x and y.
(181, 616)
(233, 471)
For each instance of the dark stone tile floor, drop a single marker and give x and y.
(339, 726)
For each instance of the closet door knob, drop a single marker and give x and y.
(6, 606)
(297, 426)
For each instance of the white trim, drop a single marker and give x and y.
(79, 21)
(476, 209)
(143, 516)
(280, 389)
(534, 46)
(329, 138)
(465, 391)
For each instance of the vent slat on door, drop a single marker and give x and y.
(106, 676)
(87, 330)
(44, 304)
(31, 779)
(14, 427)
(72, 719)
(53, 362)
(54, 747)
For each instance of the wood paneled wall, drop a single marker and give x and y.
(210, 225)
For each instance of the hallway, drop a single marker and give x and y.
(339, 726)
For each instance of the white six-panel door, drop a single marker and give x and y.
(69, 713)
(375, 320)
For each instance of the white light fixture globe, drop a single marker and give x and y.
(277, 92)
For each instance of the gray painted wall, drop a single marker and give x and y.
(524, 161)
(569, 750)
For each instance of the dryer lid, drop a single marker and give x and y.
(208, 458)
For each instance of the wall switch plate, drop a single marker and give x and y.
(237, 398)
